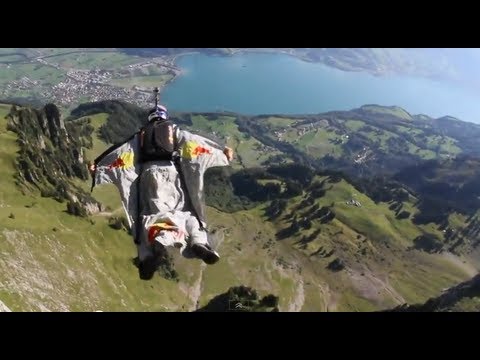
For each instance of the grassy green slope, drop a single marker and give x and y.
(396, 132)
(381, 269)
(54, 261)
(249, 151)
(390, 110)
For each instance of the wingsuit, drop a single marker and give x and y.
(162, 194)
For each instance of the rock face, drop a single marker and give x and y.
(467, 293)
(51, 154)
(52, 124)
(336, 265)
(4, 308)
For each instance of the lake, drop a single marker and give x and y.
(255, 83)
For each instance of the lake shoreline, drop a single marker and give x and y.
(174, 58)
(279, 82)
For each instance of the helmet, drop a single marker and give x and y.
(159, 112)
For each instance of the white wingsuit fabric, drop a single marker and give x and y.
(155, 202)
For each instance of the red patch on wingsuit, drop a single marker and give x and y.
(124, 161)
(155, 229)
(116, 164)
(199, 150)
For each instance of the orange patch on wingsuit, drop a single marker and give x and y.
(192, 149)
(124, 161)
(199, 150)
(155, 229)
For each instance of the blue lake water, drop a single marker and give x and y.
(280, 84)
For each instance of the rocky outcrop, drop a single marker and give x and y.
(4, 308)
(336, 265)
(51, 154)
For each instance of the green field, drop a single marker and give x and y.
(370, 218)
(44, 74)
(327, 140)
(314, 142)
(277, 123)
(392, 110)
(4, 110)
(11, 58)
(354, 125)
(320, 142)
(442, 144)
(380, 138)
(408, 130)
(248, 150)
(386, 240)
(88, 60)
(143, 81)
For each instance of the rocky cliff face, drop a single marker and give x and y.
(4, 308)
(51, 155)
